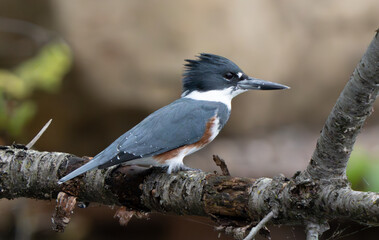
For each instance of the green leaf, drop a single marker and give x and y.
(372, 177)
(21, 115)
(357, 168)
(46, 70)
(12, 85)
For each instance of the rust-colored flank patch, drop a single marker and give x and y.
(205, 139)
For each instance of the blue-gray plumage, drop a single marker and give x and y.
(166, 136)
(178, 124)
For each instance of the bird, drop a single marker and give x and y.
(166, 136)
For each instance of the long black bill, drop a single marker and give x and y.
(259, 84)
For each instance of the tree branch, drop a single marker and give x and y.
(39, 134)
(230, 201)
(259, 226)
(314, 230)
(353, 106)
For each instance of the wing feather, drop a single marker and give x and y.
(181, 123)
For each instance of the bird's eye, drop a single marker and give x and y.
(229, 75)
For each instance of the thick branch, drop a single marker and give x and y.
(349, 204)
(33, 174)
(353, 106)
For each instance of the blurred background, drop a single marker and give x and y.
(97, 68)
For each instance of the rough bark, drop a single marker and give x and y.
(310, 198)
(353, 106)
(231, 201)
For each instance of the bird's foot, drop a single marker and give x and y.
(179, 168)
(185, 168)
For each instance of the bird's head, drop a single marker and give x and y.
(218, 74)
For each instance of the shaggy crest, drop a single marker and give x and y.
(207, 66)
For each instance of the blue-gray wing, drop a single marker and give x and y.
(181, 123)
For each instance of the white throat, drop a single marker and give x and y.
(224, 96)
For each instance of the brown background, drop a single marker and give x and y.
(128, 61)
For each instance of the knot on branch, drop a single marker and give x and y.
(303, 193)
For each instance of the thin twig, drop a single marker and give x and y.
(35, 32)
(352, 233)
(221, 163)
(35, 139)
(63, 211)
(312, 233)
(258, 227)
(314, 230)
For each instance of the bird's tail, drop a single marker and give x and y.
(86, 167)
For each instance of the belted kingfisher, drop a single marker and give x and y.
(186, 125)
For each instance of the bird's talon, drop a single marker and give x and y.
(185, 168)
